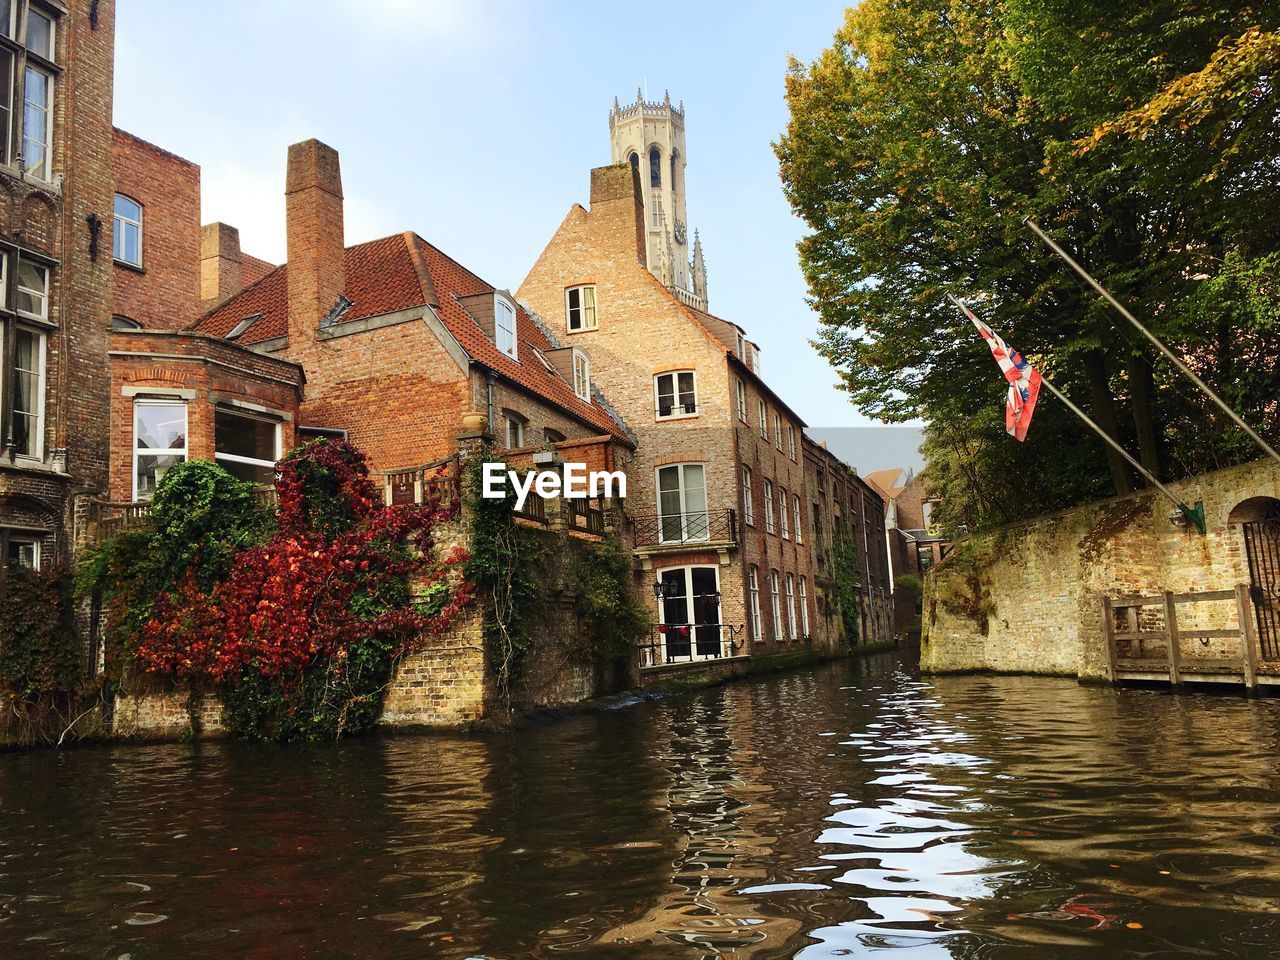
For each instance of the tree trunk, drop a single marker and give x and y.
(1142, 398)
(1104, 415)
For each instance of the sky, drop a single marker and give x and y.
(476, 124)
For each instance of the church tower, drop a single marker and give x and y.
(650, 136)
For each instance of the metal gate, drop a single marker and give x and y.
(1262, 547)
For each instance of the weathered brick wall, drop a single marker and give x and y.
(445, 683)
(1028, 597)
(164, 293)
(165, 715)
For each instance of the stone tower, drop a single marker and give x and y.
(650, 136)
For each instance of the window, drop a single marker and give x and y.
(768, 506)
(37, 112)
(246, 446)
(748, 508)
(581, 376)
(28, 392)
(791, 440)
(742, 401)
(690, 613)
(924, 556)
(753, 585)
(682, 503)
(159, 443)
(676, 395)
(782, 513)
(6, 18)
(552, 436)
(126, 241)
(777, 430)
(635, 161)
(120, 322)
(504, 326)
(515, 429)
(39, 33)
(777, 605)
(580, 307)
(795, 518)
(24, 551)
(33, 290)
(804, 606)
(791, 606)
(740, 345)
(764, 421)
(655, 167)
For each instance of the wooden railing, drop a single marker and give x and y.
(1135, 651)
(437, 482)
(108, 518)
(586, 515)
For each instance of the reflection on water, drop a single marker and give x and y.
(846, 812)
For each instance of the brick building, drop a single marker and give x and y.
(716, 490)
(847, 512)
(915, 541)
(55, 271)
(398, 340)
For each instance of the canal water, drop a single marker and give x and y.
(851, 811)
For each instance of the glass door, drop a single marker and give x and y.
(691, 613)
(682, 503)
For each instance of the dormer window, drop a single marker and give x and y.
(742, 347)
(676, 395)
(580, 306)
(581, 376)
(504, 326)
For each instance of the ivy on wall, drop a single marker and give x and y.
(847, 576)
(39, 653)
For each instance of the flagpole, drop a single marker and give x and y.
(1176, 360)
(1194, 514)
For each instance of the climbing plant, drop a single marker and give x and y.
(847, 576)
(39, 653)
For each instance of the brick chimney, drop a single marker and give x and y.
(220, 276)
(313, 219)
(615, 193)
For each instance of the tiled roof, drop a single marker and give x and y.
(252, 269)
(382, 277)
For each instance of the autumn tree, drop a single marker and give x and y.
(1143, 135)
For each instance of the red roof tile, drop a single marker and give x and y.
(383, 277)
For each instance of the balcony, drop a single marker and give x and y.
(690, 643)
(710, 530)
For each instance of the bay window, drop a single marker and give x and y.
(159, 442)
(245, 445)
(676, 395)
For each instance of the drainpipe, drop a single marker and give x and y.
(488, 387)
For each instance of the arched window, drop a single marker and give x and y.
(675, 167)
(635, 161)
(127, 236)
(655, 167)
(121, 322)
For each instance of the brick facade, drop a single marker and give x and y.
(163, 292)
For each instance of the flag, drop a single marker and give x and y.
(1024, 379)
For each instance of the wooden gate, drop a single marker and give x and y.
(1262, 547)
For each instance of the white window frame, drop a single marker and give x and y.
(742, 401)
(753, 592)
(34, 540)
(676, 404)
(583, 310)
(118, 223)
(247, 415)
(764, 421)
(777, 430)
(42, 296)
(775, 591)
(741, 346)
(795, 517)
(687, 571)
(184, 452)
(41, 372)
(43, 173)
(685, 512)
(582, 376)
(501, 304)
(53, 30)
(791, 440)
(792, 626)
(768, 506)
(782, 513)
(804, 606)
(515, 425)
(748, 506)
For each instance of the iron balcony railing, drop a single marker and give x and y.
(690, 643)
(718, 526)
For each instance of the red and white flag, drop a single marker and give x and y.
(1024, 379)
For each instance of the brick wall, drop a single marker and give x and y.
(1028, 597)
(164, 293)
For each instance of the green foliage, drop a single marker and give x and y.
(610, 617)
(39, 653)
(1141, 134)
(847, 576)
(910, 586)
